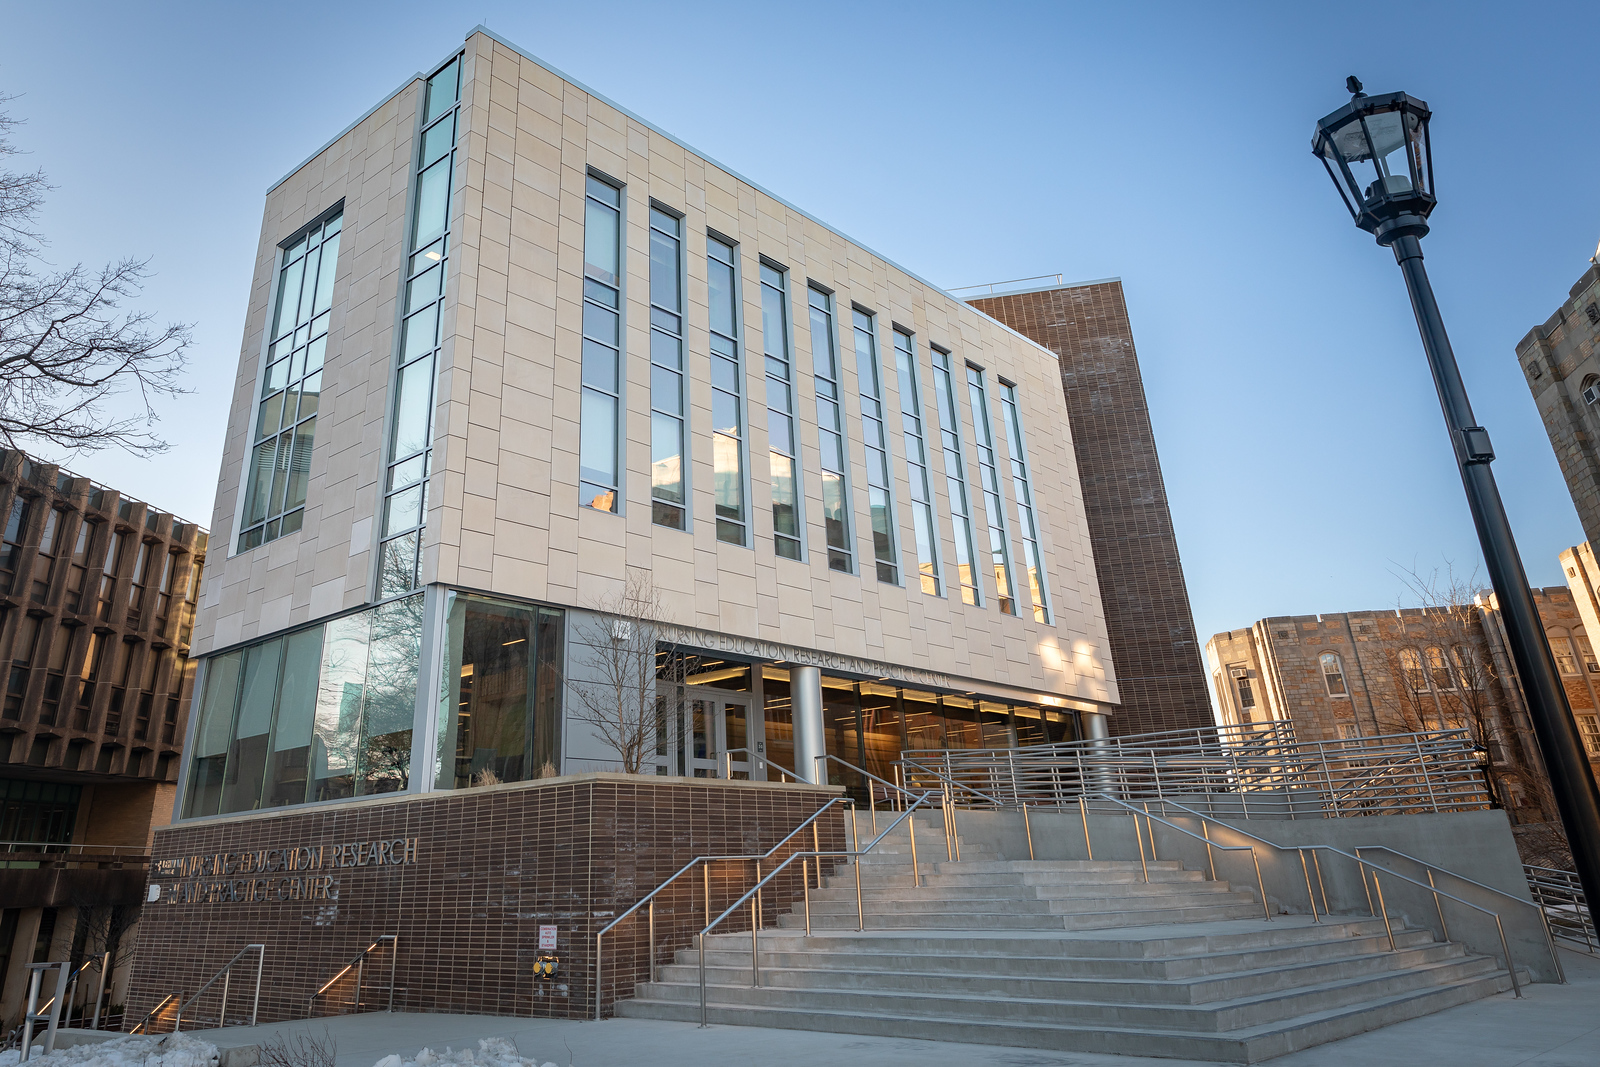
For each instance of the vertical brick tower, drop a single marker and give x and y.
(1152, 634)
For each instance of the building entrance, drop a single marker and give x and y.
(697, 726)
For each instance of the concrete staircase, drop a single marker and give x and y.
(1079, 956)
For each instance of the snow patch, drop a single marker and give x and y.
(492, 1052)
(171, 1050)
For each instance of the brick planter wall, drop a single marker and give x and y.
(465, 879)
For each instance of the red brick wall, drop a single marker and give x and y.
(1153, 644)
(492, 865)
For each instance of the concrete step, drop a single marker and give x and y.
(783, 972)
(904, 918)
(840, 901)
(900, 889)
(1251, 1046)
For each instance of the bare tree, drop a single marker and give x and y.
(69, 355)
(621, 697)
(1446, 677)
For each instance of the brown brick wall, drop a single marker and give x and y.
(492, 865)
(1153, 643)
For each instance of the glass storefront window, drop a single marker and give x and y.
(961, 726)
(881, 734)
(779, 719)
(500, 719)
(924, 720)
(319, 714)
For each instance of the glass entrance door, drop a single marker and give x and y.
(697, 726)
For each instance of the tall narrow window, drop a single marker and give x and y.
(727, 392)
(955, 476)
(783, 447)
(1247, 696)
(141, 578)
(880, 488)
(44, 562)
(286, 416)
(993, 501)
(1467, 667)
(1022, 486)
(1333, 674)
(11, 550)
(666, 370)
(1411, 667)
(1439, 668)
(830, 434)
(405, 486)
(599, 429)
(108, 572)
(78, 571)
(922, 520)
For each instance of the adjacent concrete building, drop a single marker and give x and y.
(97, 606)
(1562, 369)
(1160, 677)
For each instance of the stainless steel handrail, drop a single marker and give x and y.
(754, 897)
(226, 974)
(145, 1022)
(1266, 909)
(726, 758)
(1365, 865)
(360, 963)
(648, 898)
(1433, 869)
(1560, 897)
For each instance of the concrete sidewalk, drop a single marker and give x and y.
(1554, 1026)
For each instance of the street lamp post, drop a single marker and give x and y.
(1377, 152)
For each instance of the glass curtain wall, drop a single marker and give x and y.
(993, 500)
(500, 716)
(922, 510)
(880, 486)
(599, 427)
(405, 505)
(1033, 559)
(286, 417)
(319, 714)
(830, 435)
(782, 442)
(727, 392)
(955, 474)
(667, 482)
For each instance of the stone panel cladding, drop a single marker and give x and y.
(1160, 676)
(1559, 361)
(491, 866)
(67, 717)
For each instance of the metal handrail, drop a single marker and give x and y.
(649, 898)
(1544, 919)
(756, 757)
(1266, 909)
(360, 961)
(145, 1022)
(753, 895)
(226, 974)
(1364, 866)
(1559, 894)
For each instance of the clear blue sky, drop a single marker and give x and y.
(1166, 143)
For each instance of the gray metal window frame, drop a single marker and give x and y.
(620, 430)
(912, 390)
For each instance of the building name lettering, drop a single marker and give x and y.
(835, 661)
(236, 877)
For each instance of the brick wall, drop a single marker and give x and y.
(1153, 643)
(491, 866)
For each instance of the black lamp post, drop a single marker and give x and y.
(1376, 150)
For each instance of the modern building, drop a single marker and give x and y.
(97, 605)
(558, 449)
(1160, 677)
(1372, 673)
(1562, 369)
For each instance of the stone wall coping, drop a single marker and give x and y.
(586, 778)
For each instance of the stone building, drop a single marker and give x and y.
(1562, 369)
(1368, 673)
(510, 352)
(1160, 676)
(97, 608)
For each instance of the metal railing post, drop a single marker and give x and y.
(1260, 885)
(1511, 967)
(100, 993)
(652, 914)
(394, 965)
(1384, 908)
(1137, 832)
(1211, 863)
(599, 978)
(1438, 906)
(1310, 893)
(805, 882)
(916, 872)
(1027, 828)
(755, 949)
(1083, 810)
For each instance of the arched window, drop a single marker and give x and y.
(1333, 674)
(1467, 667)
(1439, 669)
(1411, 666)
(1586, 654)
